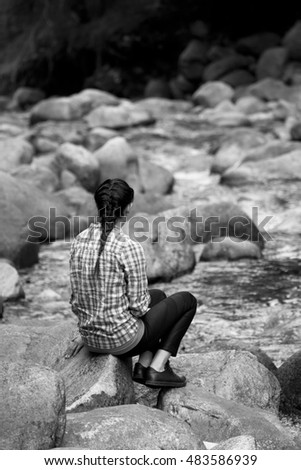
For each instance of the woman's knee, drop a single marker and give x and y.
(189, 300)
(157, 295)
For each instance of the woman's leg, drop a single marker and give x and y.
(145, 358)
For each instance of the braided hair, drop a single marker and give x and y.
(111, 197)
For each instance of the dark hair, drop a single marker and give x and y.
(111, 197)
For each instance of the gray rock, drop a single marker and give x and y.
(79, 200)
(10, 282)
(21, 207)
(14, 152)
(32, 407)
(216, 70)
(162, 107)
(216, 419)
(230, 249)
(97, 137)
(192, 59)
(154, 178)
(157, 87)
(234, 375)
(213, 93)
(181, 88)
(271, 63)
(237, 443)
(58, 133)
(256, 44)
(133, 427)
(222, 117)
(25, 97)
(91, 380)
(117, 159)
(118, 117)
(237, 78)
(81, 163)
(292, 73)
(289, 377)
(250, 105)
(269, 89)
(39, 176)
(292, 41)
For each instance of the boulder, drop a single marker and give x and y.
(216, 419)
(97, 137)
(132, 427)
(268, 89)
(44, 146)
(155, 179)
(152, 203)
(32, 407)
(72, 107)
(230, 249)
(58, 133)
(91, 380)
(233, 374)
(10, 282)
(162, 107)
(270, 150)
(81, 163)
(256, 44)
(118, 117)
(117, 159)
(211, 94)
(224, 219)
(167, 247)
(292, 73)
(250, 105)
(28, 217)
(237, 443)
(283, 168)
(292, 41)
(289, 376)
(271, 63)
(237, 78)
(181, 88)
(14, 152)
(234, 147)
(220, 118)
(216, 70)
(38, 176)
(192, 59)
(25, 97)
(78, 200)
(295, 131)
(157, 87)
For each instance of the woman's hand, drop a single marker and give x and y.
(74, 347)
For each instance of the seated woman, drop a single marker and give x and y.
(116, 312)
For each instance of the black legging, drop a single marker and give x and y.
(166, 322)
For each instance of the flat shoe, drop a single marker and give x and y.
(139, 373)
(167, 378)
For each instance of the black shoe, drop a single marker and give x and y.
(139, 373)
(167, 378)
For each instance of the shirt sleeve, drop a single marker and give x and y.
(136, 279)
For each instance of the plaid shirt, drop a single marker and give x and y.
(108, 300)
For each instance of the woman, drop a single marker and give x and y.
(117, 314)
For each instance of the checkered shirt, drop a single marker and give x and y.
(108, 300)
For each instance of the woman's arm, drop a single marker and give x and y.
(136, 279)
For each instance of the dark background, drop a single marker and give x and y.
(64, 45)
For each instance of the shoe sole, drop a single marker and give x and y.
(165, 384)
(139, 381)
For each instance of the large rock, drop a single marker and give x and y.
(53, 134)
(25, 97)
(81, 163)
(216, 419)
(218, 69)
(32, 407)
(192, 59)
(257, 43)
(250, 105)
(283, 168)
(160, 107)
(97, 137)
(167, 247)
(292, 41)
(232, 374)
(14, 152)
(72, 107)
(118, 117)
(271, 63)
(289, 376)
(78, 200)
(38, 176)
(155, 178)
(157, 87)
(225, 219)
(132, 427)
(230, 249)
(220, 118)
(181, 88)
(269, 89)
(237, 443)
(10, 282)
(292, 73)
(211, 94)
(117, 159)
(28, 217)
(238, 78)
(234, 147)
(91, 380)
